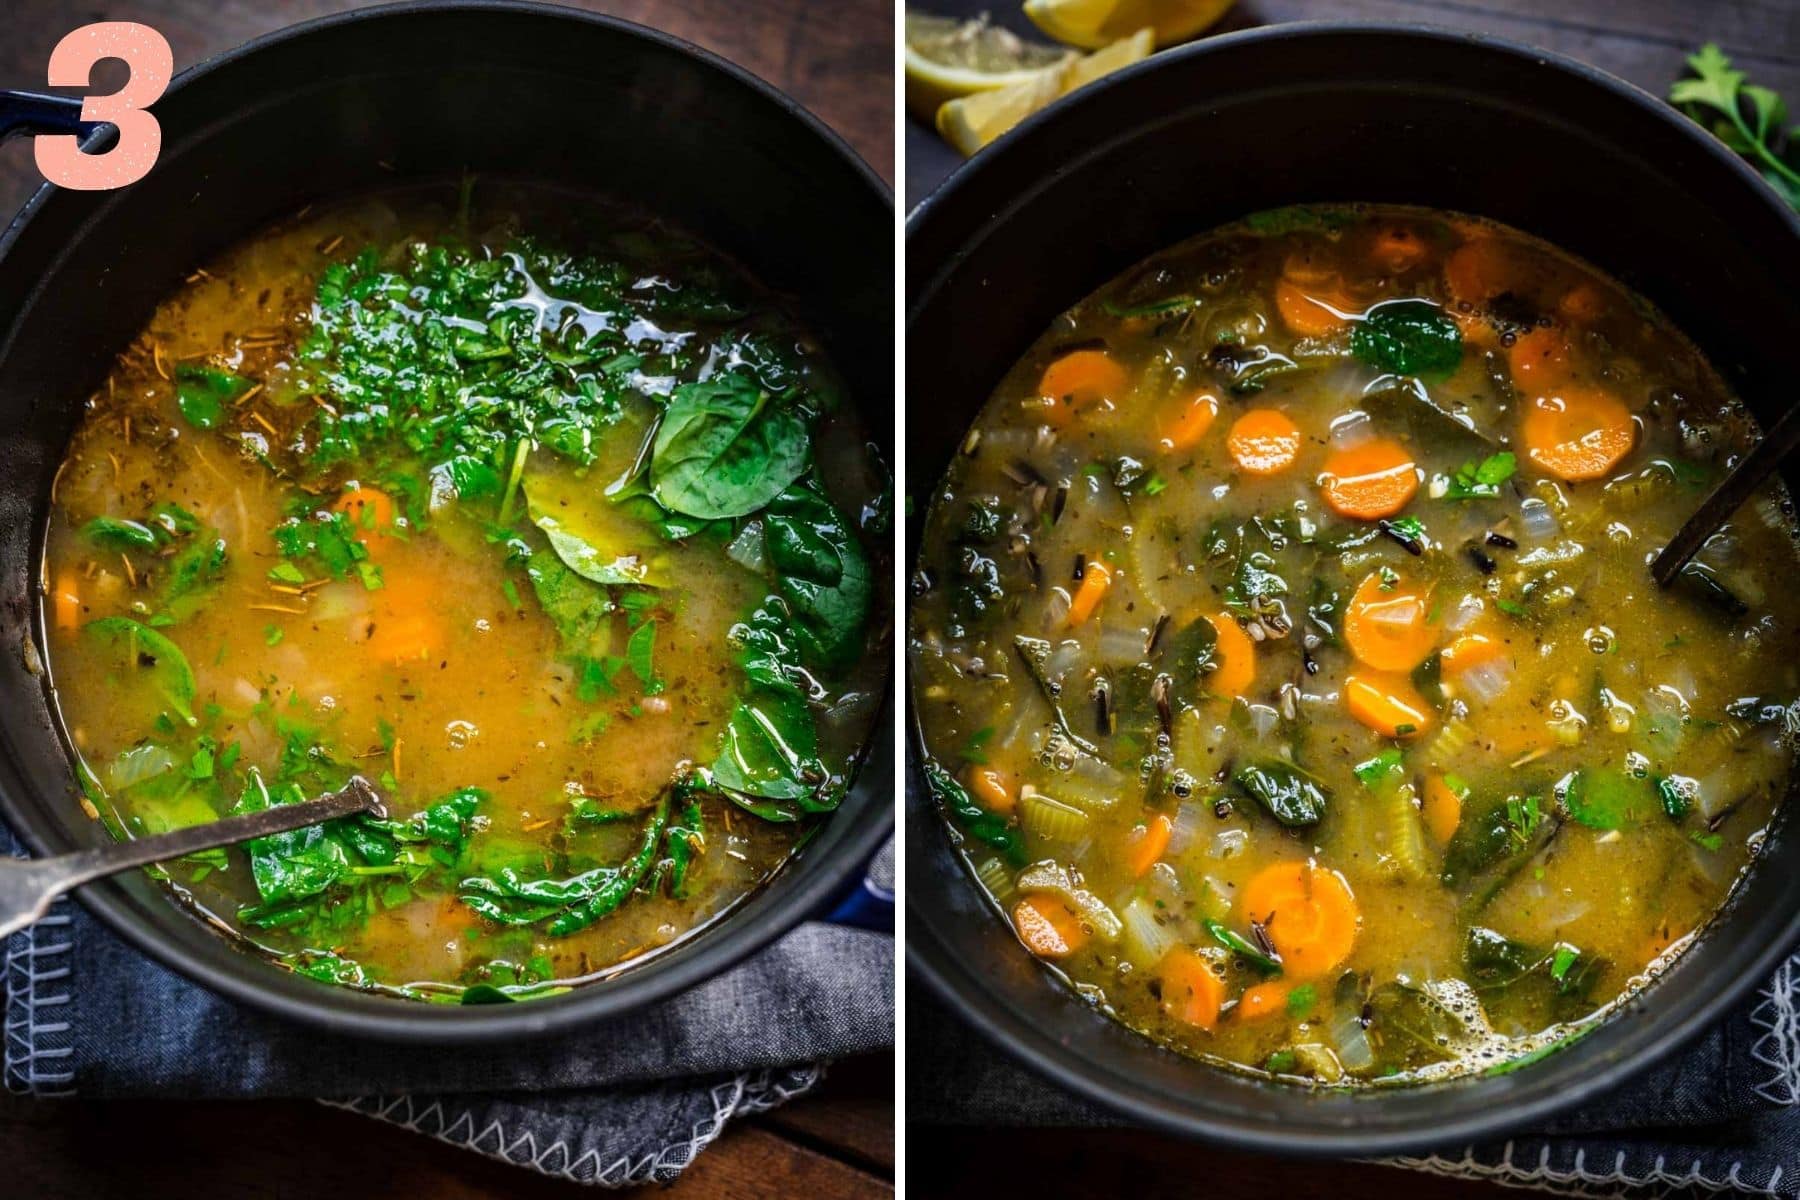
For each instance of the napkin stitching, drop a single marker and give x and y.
(37, 960)
(1577, 1180)
(747, 1093)
(1779, 1047)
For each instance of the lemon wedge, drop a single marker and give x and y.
(947, 58)
(971, 122)
(1092, 24)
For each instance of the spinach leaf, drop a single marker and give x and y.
(327, 538)
(1605, 797)
(973, 819)
(149, 650)
(565, 906)
(293, 865)
(770, 752)
(121, 535)
(201, 393)
(195, 566)
(1408, 337)
(587, 561)
(1290, 795)
(462, 477)
(822, 571)
(1475, 481)
(576, 607)
(726, 449)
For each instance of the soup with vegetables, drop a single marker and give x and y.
(531, 510)
(1288, 661)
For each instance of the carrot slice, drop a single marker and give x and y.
(1263, 1000)
(1441, 807)
(1482, 268)
(1372, 479)
(1192, 991)
(1308, 913)
(1583, 302)
(1397, 248)
(65, 601)
(1387, 625)
(406, 622)
(1234, 658)
(370, 510)
(1047, 927)
(1387, 702)
(1181, 425)
(1145, 844)
(1311, 309)
(1078, 380)
(1540, 358)
(1469, 650)
(1264, 442)
(994, 789)
(1578, 432)
(1096, 579)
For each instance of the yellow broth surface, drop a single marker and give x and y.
(1286, 647)
(387, 481)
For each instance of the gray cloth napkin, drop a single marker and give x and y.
(631, 1100)
(1721, 1117)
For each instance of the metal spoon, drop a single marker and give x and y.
(28, 885)
(1738, 486)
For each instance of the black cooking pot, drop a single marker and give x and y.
(359, 102)
(1194, 138)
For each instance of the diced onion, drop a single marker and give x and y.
(1351, 430)
(1485, 681)
(1466, 611)
(1352, 1040)
(1536, 520)
(1122, 645)
(1144, 936)
(1056, 609)
(1263, 720)
(1064, 656)
(1228, 843)
(1190, 818)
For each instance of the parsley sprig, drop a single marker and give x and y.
(1748, 118)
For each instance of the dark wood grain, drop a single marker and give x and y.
(836, 1144)
(1642, 41)
(839, 64)
(148, 1150)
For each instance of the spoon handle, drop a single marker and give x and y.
(1737, 486)
(27, 886)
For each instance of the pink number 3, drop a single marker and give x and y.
(152, 65)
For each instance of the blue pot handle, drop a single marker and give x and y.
(32, 113)
(862, 905)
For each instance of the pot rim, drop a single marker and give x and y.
(748, 927)
(1032, 1045)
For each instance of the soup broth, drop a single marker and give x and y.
(528, 508)
(1289, 663)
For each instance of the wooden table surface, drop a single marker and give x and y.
(838, 1143)
(1643, 41)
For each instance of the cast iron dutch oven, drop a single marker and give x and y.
(360, 102)
(1186, 141)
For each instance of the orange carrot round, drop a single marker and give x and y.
(1192, 990)
(993, 789)
(1583, 302)
(1264, 442)
(1147, 843)
(1096, 579)
(1441, 808)
(1308, 913)
(1373, 479)
(1387, 702)
(405, 621)
(1182, 424)
(370, 510)
(1578, 432)
(1540, 359)
(1469, 650)
(1078, 380)
(1312, 310)
(1262, 1000)
(1234, 658)
(1396, 249)
(1480, 269)
(1047, 927)
(1387, 625)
